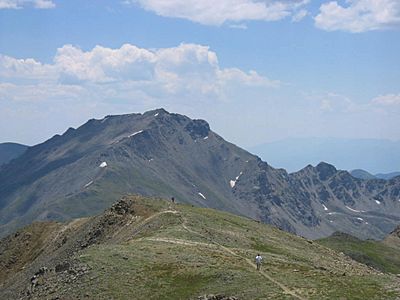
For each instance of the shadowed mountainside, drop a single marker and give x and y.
(9, 151)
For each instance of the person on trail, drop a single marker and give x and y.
(259, 261)
(173, 200)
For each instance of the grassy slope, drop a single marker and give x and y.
(182, 252)
(372, 253)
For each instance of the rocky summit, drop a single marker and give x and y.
(162, 154)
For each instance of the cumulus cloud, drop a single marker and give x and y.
(186, 71)
(358, 15)
(18, 4)
(222, 11)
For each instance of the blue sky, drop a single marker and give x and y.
(258, 71)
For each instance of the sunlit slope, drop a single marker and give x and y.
(153, 249)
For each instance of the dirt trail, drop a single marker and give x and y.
(248, 261)
(285, 289)
(140, 226)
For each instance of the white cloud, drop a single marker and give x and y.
(187, 71)
(222, 11)
(44, 4)
(17, 4)
(387, 100)
(300, 15)
(359, 15)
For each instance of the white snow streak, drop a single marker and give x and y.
(89, 183)
(156, 115)
(135, 133)
(202, 196)
(349, 208)
(325, 208)
(332, 213)
(205, 138)
(103, 164)
(378, 202)
(105, 119)
(361, 219)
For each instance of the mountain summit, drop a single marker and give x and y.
(167, 155)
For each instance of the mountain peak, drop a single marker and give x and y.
(325, 170)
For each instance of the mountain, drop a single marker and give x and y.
(9, 151)
(381, 255)
(153, 249)
(169, 155)
(362, 174)
(387, 176)
(374, 155)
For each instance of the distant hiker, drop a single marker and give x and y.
(173, 200)
(259, 261)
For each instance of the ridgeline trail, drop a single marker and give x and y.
(212, 243)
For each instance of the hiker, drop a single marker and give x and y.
(259, 261)
(173, 200)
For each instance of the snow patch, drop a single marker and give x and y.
(332, 213)
(361, 219)
(135, 133)
(151, 159)
(378, 202)
(331, 221)
(156, 114)
(366, 223)
(103, 164)
(233, 182)
(349, 208)
(202, 196)
(89, 183)
(325, 208)
(205, 138)
(105, 119)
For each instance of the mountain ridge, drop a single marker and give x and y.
(10, 151)
(169, 155)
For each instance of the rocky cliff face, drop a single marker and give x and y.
(169, 155)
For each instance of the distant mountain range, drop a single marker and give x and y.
(374, 155)
(362, 174)
(9, 151)
(157, 153)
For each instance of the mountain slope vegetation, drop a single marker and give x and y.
(380, 255)
(153, 249)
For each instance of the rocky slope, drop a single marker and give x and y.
(153, 249)
(162, 154)
(9, 151)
